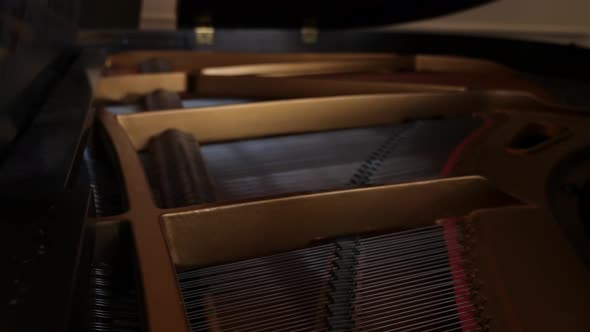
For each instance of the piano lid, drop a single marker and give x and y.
(329, 13)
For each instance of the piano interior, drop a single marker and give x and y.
(334, 192)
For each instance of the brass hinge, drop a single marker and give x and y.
(309, 32)
(204, 32)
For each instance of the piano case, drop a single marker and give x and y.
(284, 170)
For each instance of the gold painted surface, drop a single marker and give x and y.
(281, 88)
(532, 278)
(305, 68)
(163, 304)
(202, 236)
(115, 88)
(194, 61)
(205, 65)
(436, 63)
(423, 63)
(214, 124)
(226, 233)
(220, 82)
(233, 122)
(130, 87)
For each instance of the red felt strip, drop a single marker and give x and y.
(466, 317)
(460, 148)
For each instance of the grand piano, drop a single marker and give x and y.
(274, 166)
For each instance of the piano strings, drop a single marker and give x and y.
(400, 281)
